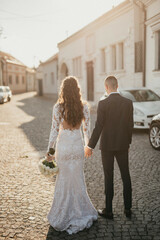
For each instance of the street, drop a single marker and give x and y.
(26, 195)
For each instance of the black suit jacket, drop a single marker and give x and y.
(114, 124)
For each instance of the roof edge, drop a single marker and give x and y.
(96, 21)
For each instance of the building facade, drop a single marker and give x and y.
(13, 73)
(153, 45)
(30, 79)
(113, 44)
(46, 77)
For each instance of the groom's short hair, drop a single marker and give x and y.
(112, 82)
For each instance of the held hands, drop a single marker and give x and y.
(87, 152)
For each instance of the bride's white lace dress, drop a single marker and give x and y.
(71, 209)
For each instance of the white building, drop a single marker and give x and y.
(153, 45)
(113, 44)
(39, 80)
(30, 79)
(47, 75)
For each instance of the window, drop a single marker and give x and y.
(10, 79)
(17, 80)
(103, 60)
(157, 48)
(138, 56)
(120, 56)
(77, 66)
(23, 80)
(52, 78)
(140, 95)
(114, 57)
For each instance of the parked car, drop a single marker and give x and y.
(154, 132)
(3, 94)
(157, 91)
(146, 104)
(9, 93)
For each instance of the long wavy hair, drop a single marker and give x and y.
(70, 101)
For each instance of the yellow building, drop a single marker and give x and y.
(13, 73)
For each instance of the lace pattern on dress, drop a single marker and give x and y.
(55, 126)
(86, 123)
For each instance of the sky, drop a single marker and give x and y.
(31, 29)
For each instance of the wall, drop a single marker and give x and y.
(152, 25)
(110, 31)
(14, 70)
(49, 87)
(30, 76)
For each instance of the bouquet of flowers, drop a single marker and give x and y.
(48, 168)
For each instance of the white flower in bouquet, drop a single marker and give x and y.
(48, 168)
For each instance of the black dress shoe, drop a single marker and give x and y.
(105, 214)
(128, 213)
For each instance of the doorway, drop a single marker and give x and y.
(64, 71)
(90, 81)
(40, 87)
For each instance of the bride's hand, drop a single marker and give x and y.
(88, 152)
(49, 158)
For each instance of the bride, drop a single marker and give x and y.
(71, 210)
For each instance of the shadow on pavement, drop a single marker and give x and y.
(101, 229)
(38, 129)
(82, 235)
(141, 131)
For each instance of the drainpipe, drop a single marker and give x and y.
(144, 48)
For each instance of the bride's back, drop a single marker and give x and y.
(65, 125)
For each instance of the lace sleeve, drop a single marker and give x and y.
(55, 126)
(86, 123)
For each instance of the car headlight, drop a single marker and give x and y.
(138, 112)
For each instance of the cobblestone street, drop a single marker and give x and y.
(26, 195)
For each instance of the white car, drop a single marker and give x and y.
(154, 132)
(9, 92)
(146, 104)
(3, 94)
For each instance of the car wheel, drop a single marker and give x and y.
(9, 99)
(154, 136)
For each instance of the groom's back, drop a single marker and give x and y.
(118, 122)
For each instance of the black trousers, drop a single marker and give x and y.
(108, 166)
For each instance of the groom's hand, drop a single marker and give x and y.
(88, 152)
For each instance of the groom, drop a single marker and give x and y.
(114, 124)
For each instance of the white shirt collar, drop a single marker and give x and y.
(112, 93)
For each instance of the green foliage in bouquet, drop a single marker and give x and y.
(50, 164)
